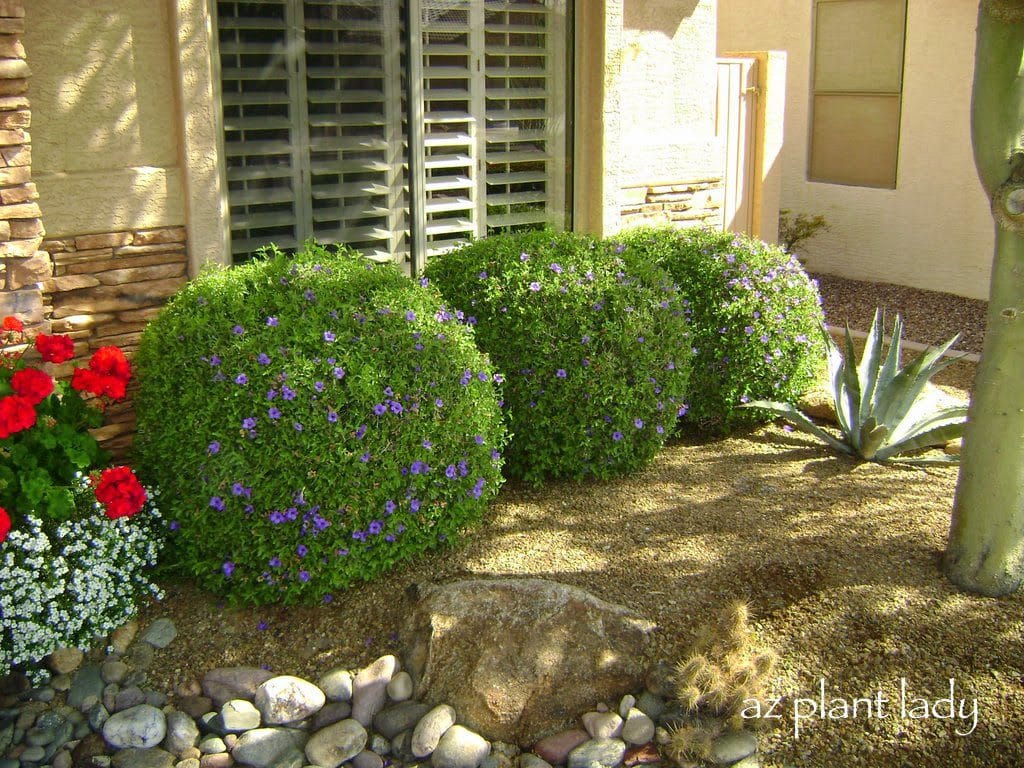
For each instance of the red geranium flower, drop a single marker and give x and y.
(110, 361)
(17, 413)
(13, 324)
(120, 491)
(5, 524)
(55, 349)
(85, 380)
(32, 384)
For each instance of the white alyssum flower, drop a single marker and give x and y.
(65, 584)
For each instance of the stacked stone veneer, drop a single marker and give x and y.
(105, 287)
(681, 204)
(24, 267)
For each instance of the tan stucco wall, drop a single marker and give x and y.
(934, 230)
(664, 73)
(105, 146)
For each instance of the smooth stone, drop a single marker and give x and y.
(400, 687)
(225, 683)
(650, 705)
(332, 712)
(264, 747)
(336, 684)
(555, 749)
(87, 682)
(62, 759)
(33, 754)
(110, 697)
(430, 729)
(194, 706)
(660, 680)
(380, 745)
(9, 762)
(459, 747)
(597, 753)
(188, 762)
(39, 737)
(88, 749)
(127, 698)
(368, 759)
(627, 703)
(494, 760)
(331, 746)
(530, 760)
(751, 761)
(44, 694)
(182, 733)
(64, 661)
(401, 747)
(369, 689)
(287, 699)
(638, 728)
(218, 760)
(140, 727)
(160, 633)
(732, 746)
(113, 671)
(122, 637)
(212, 745)
(602, 725)
(142, 758)
(61, 683)
(239, 715)
(506, 750)
(391, 721)
(156, 698)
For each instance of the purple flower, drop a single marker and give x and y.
(263, 358)
(276, 517)
(262, 625)
(389, 507)
(302, 550)
(237, 489)
(365, 457)
(213, 447)
(523, 257)
(396, 407)
(556, 268)
(274, 413)
(638, 423)
(329, 336)
(217, 503)
(214, 360)
(450, 472)
(271, 394)
(275, 562)
(238, 330)
(332, 417)
(380, 409)
(419, 468)
(303, 576)
(241, 379)
(616, 436)
(427, 444)
(360, 432)
(478, 439)
(287, 392)
(414, 505)
(319, 386)
(534, 286)
(439, 403)
(297, 425)
(339, 373)
(375, 528)
(228, 568)
(659, 429)
(560, 373)
(309, 295)
(272, 321)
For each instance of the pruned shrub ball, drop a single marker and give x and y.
(754, 314)
(594, 354)
(312, 421)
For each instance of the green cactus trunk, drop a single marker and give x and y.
(985, 552)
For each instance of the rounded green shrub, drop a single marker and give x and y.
(754, 314)
(595, 354)
(312, 421)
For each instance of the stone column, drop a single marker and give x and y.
(24, 265)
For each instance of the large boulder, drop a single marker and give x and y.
(521, 658)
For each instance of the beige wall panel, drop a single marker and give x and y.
(105, 127)
(666, 85)
(934, 230)
(859, 45)
(855, 139)
(110, 200)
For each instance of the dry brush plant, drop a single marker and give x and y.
(724, 676)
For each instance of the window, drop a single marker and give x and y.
(399, 129)
(857, 86)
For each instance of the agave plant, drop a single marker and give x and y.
(877, 403)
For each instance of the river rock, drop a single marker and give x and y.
(331, 712)
(369, 689)
(391, 721)
(400, 688)
(86, 684)
(239, 715)
(264, 747)
(555, 749)
(142, 758)
(225, 683)
(331, 746)
(732, 746)
(460, 748)
(64, 661)
(518, 657)
(287, 699)
(638, 728)
(182, 733)
(368, 759)
(140, 727)
(602, 725)
(597, 753)
(160, 633)
(430, 729)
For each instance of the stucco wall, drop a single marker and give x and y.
(934, 230)
(105, 130)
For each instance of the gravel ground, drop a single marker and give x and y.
(838, 559)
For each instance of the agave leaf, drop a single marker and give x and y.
(867, 371)
(872, 436)
(944, 458)
(940, 433)
(801, 422)
(899, 396)
(891, 366)
(851, 393)
(950, 414)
